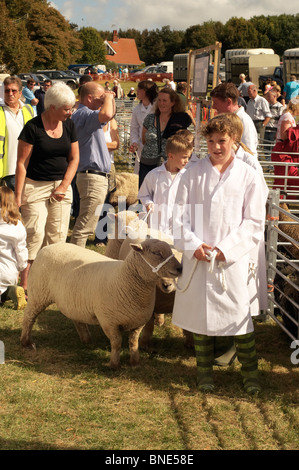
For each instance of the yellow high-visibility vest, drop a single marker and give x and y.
(28, 114)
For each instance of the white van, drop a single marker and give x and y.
(167, 66)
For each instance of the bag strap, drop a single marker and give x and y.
(158, 134)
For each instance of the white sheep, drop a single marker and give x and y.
(165, 291)
(292, 230)
(118, 229)
(90, 288)
(126, 189)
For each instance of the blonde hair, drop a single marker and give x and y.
(9, 209)
(292, 106)
(239, 128)
(219, 124)
(186, 135)
(178, 143)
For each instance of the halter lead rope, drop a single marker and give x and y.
(211, 255)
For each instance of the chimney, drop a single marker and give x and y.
(115, 37)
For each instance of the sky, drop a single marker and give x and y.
(152, 14)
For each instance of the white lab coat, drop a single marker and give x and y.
(13, 253)
(160, 188)
(230, 214)
(257, 280)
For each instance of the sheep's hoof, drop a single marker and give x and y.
(135, 364)
(29, 346)
(113, 365)
(143, 344)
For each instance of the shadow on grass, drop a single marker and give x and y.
(167, 364)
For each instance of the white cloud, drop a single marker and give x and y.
(179, 14)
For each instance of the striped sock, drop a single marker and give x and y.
(204, 352)
(246, 352)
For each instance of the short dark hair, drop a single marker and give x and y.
(150, 88)
(226, 90)
(182, 86)
(85, 79)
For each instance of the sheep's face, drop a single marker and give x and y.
(158, 256)
(128, 223)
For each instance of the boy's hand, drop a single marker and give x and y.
(200, 253)
(220, 256)
(150, 207)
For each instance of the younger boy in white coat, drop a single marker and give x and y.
(158, 190)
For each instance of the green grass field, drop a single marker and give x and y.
(62, 396)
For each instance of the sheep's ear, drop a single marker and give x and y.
(137, 247)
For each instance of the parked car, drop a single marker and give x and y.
(221, 73)
(153, 72)
(56, 75)
(73, 73)
(276, 77)
(38, 77)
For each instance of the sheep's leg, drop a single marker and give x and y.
(30, 315)
(115, 337)
(147, 333)
(133, 342)
(83, 332)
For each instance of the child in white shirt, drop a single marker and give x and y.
(158, 190)
(13, 250)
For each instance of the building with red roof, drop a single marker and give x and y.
(123, 52)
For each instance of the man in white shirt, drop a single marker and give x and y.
(258, 109)
(225, 100)
(243, 87)
(276, 109)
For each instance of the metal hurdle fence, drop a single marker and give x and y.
(124, 109)
(282, 256)
(282, 249)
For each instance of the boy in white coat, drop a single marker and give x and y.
(158, 190)
(212, 298)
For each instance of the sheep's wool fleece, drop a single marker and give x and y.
(233, 216)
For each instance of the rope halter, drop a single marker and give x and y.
(155, 269)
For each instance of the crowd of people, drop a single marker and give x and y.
(212, 207)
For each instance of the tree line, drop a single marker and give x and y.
(35, 35)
